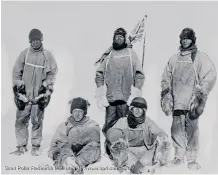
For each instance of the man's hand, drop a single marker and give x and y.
(102, 101)
(44, 83)
(163, 139)
(22, 97)
(137, 168)
(135, 92)
(71, 163)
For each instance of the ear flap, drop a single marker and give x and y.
(87, 103)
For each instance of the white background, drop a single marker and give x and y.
(77, 33)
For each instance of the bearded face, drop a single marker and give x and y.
(119, 42)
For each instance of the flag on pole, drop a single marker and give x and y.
(134, 39)
(138, 32)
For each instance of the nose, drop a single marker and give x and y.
(185, 41)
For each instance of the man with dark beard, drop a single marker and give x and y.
(34, 75)
(188, 78)
(119, 79)
(136, 142)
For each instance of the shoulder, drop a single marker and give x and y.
(91, 122)
(121, 123)
(202, 56)
(62, 127)
(202, 59)
(174, 58)
(149, 121)
(24, 52)
(48, 54)
(132, 51)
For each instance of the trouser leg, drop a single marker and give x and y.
(178, 133)
(113, 113)
(37, 116)
(21, 126)
(192, 139)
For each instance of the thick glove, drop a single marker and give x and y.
(135, 92)
(162, 150)
(102, 101)
(137, 168)
(197, 103)
(167, 102)
(70, 163)
(20, 96)
(44, 97)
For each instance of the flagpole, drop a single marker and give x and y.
(143, 53)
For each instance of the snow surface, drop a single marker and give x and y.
(76, 47)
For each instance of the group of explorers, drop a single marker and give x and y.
(132, 139)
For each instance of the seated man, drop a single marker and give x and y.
(136, 141)
(76, 143)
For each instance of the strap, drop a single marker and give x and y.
(130, 55)
(25, 61)
(196, 75)
(33, 65)
(107, 61)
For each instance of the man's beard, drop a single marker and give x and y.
(37, 48)
(117, 46)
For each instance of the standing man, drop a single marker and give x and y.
(33, 78)
(119, 79)
(187, 80)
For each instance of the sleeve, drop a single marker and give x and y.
(207, 74)
(154, 129)
(99, 78)
(91, 152)
(51, 70)
(167, 76)
(59, 144)
(139, 76)
(18, 69)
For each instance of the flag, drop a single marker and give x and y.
(137, 39)
(138, 32)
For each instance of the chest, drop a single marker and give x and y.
(119, 60)
(184, 69)
(35, 59)
(77, 135)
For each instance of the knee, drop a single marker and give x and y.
(21, 122)
(163, 156)
(174, 130)
(113, 135)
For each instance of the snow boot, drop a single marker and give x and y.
(175, 162)
(35, 151)
(19, 151)
(193, 165)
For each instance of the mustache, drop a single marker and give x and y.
(117, 46)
